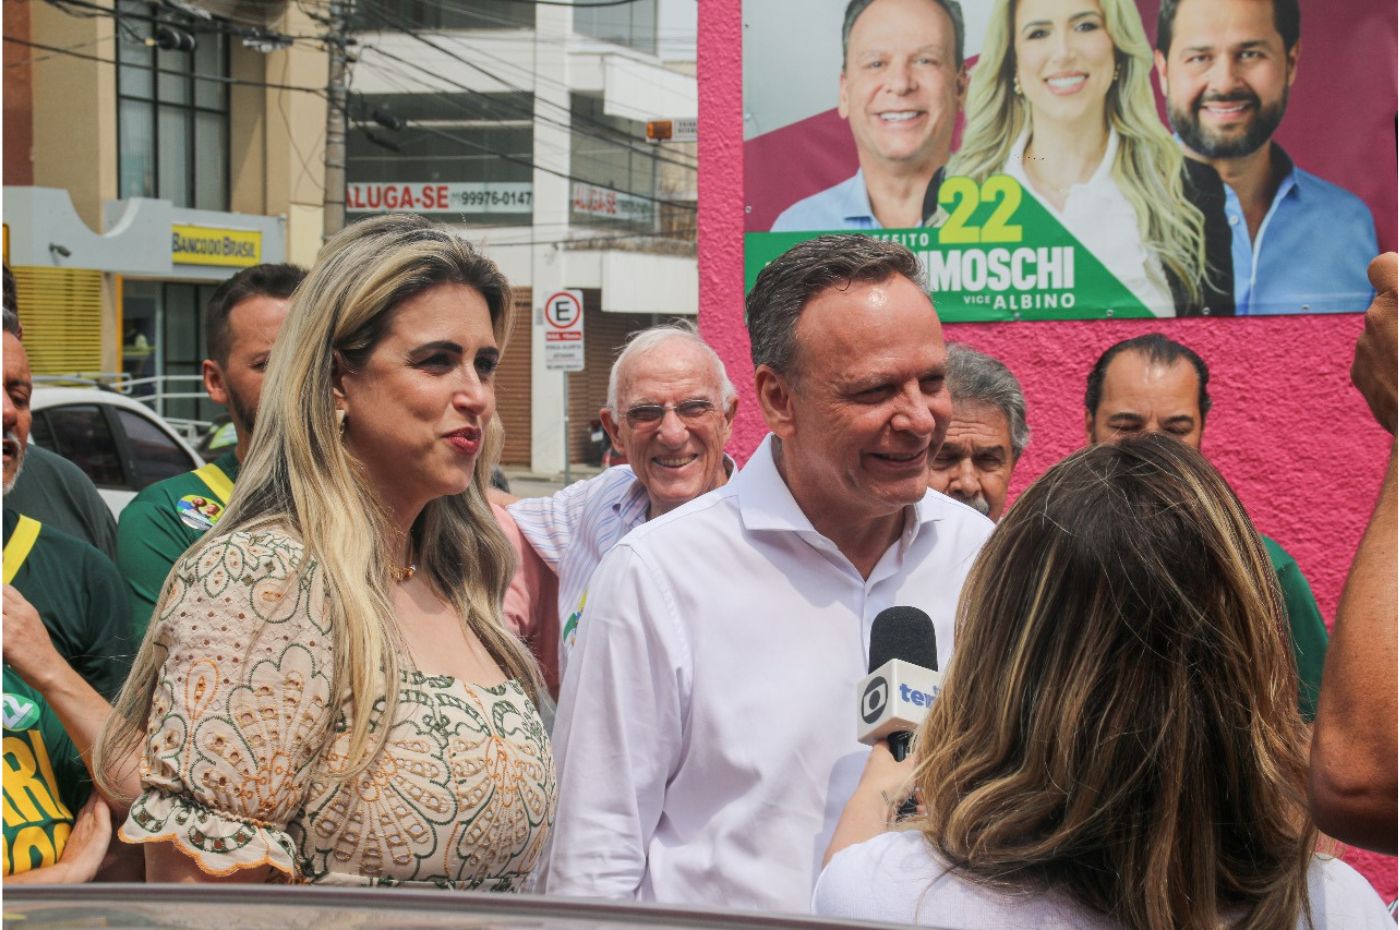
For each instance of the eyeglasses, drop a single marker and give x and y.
(687, 410)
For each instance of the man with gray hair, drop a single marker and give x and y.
(670, 408)
(903, 83)
(705, 739)
(986, 436)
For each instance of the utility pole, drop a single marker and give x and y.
(336, 104)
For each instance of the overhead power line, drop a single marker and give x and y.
(522, 113)
(241, 82)
(400, 26)
(516, 159)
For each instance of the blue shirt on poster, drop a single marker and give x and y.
(842, 206)
(1310, 253)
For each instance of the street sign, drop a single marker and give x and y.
(684, 129)
(563, 331)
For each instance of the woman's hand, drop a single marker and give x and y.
(884, 785)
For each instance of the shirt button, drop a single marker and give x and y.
(1234, 220)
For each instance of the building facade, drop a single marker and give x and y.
(149, 153)
(151, 150)
(524, 126)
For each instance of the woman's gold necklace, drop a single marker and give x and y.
(401, 575)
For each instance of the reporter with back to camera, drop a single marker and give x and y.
(1117, 742)
(326, 693)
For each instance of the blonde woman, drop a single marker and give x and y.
(1117, 741)
(1060, 100)
(327, 693)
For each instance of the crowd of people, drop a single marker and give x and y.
(337, 655)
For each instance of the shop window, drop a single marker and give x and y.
(461, 158)
(399, 15)
(614, 170)
(629, 24)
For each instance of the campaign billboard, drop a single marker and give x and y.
(1081, 159)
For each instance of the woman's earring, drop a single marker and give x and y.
(1016, 85)
(1117, 67)
(340, 421)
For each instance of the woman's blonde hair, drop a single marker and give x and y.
(299, 474)
(1119, 721)
(1148, 167)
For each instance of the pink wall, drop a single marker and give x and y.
(1287, 430)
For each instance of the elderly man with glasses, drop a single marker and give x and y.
(670, 409)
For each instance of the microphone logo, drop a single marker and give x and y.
(872, 703)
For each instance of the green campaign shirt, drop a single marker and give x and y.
(1309, 632)
(58, 494)
(44, 779)
(82, 601)
(162, 522)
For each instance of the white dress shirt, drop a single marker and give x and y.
(706, 734)
(1101, 218)
(897, 878)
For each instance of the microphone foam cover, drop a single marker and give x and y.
(904, 633)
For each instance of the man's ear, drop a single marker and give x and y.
(1088, 428)
(214, 384)
(1292, 59)
(775, 399)
(963, 80)
(842, 106)
(610, 424)
(1160, 61)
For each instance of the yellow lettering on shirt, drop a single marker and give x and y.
(28, 842)
(26, 792)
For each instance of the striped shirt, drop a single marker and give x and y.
(572, 530)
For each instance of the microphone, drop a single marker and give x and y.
(903, 679)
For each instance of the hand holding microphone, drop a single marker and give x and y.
(903, 679)
(892, 701)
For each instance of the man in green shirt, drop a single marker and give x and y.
(65, 653)
(241, 324)
(1153, 384)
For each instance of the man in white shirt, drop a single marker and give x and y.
(706, 737)
(903, 83)
(670, 409)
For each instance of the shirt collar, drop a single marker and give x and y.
(1016, 164)
(765, 503)
(854, 201)
(228, 463)
(1288, 179)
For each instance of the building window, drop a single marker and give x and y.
(172, 128)
(464, 158)
(614, 173)
(163, 344)
(398, 15)
(629, 24)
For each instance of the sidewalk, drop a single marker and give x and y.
(525, 483)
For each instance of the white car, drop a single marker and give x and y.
(120, 443)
